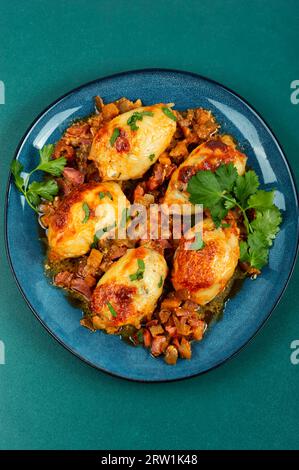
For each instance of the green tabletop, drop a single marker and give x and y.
(49, 398)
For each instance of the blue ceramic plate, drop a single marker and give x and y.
(244, 314)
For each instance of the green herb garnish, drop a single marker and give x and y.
(95, 242)
(103, 194)
(114, 136)
(99, 233)
(38, 190)
(112, 311)
(225, 189)
(160, 282)
(86, 212)
(139, 273)
(125, 217)
(169, 113)
(151, 157)
(139, 335)
(137, 116)
(198, 244)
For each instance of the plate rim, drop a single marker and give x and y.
(9, 183)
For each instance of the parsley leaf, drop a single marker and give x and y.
(54, 167)
(169, 113)
(115, 135)
(225, 225)
(160, 282)
(227, 175)
(244, 256)
(246, 185)
(267, 223)
(16, 169)
(139, 273)
(38, 190)
(151, 157)
(204, 188)
(46, 152)
(111, 309)
(261, 200)
(86, 211)
(255, 250)
(223, 190)
(45, 189)
(229, 204)
(218, 212)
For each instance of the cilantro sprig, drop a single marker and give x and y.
(38, 190)
(223, 190)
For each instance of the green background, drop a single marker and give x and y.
(49, 398)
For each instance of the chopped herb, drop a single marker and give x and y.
(38, 190)
(112, 311)
(102, 194)
(95, 242)
(160, 282)
(137, 116)
(139, 273)
(86, 211)
(125, 217)
(225, 225)
(140, 263)
(139, 335)
(114, 136)
(198, 244)
(151, 157)
(169, 113)
(99, 233)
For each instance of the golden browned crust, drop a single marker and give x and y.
(59, 219)
(120, 297)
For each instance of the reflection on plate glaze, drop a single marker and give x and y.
(51, 126)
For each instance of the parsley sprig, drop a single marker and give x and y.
(38, 190)
(223, 190)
